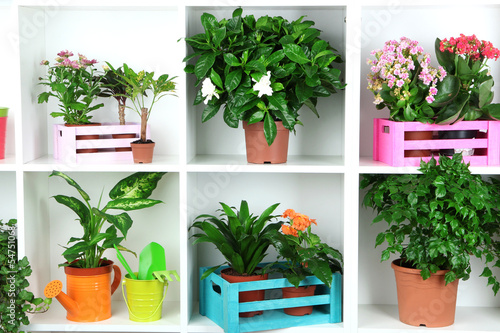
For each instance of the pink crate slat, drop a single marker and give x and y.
(65, 143)
(389, 144)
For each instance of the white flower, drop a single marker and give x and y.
(263, 86)
(208, 90)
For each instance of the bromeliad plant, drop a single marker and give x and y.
(261, 69)
(303, 251)
(138, 85)
(470, 93)
(238, 235)
(74, 84)
(130, 193)
(15, 300)
(438, 219)
(403, 80)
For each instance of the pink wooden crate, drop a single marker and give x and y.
(66, 145)
(389, 144)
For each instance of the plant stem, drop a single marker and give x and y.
(144, 123)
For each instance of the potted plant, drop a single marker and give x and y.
(241, 238)
(262, 71)
(138, 85)
(437, 219)
(17, 301)
(304, 254)
(402, 80)
(84, 258)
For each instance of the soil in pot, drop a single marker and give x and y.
(291, 292)
(231, 276)
(418, 135)
(142, 152)
(421, 302)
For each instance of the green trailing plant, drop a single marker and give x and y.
(238, 235)
(262, 69)
(113, 86)
(138, 86)
(15, 300)
(130, 193)
(74, 84)
(302, 251)
(438, 218)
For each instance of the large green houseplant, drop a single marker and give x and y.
(16, 301)
(437, 219)
(262, 69)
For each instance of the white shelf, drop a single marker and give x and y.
(384, 319)
(55, 320)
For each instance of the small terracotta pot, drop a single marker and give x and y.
(421, 302)
(123, 136)
(292, 292)
(143, 152)
(246, 296)
(258, 151)
(418, 135)
(86, 137)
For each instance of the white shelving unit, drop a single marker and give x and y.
(206, 162)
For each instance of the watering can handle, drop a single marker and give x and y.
(117, 278)
(154, 312)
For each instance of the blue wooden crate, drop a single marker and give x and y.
(219, 302)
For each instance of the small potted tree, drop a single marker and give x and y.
(437, 219)
(85, 260)
(262, 71)
(138, 86)
(304, 255)
(241, 239)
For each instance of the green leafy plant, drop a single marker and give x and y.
(130, 193)
(303, 251)
(238, 235)
(15, 300)
(138, 85)
(74, 84)
(261, 69)
(438, 219)
(113, 86)
(468, 94)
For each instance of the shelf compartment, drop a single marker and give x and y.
(219, 302)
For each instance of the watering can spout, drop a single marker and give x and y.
(54, 289)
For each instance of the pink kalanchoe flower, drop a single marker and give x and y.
(429, 99)
(399, 83)
(44, 62)
(65, 54)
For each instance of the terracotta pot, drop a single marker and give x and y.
(123, 136)
(420, 135)
(258, 151)
(143, 152)
(3, 130)
(421, 302)
(91, 290)
(86, 137)
(246, 296)
(292, 292)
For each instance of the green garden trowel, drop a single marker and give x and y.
(151, 259)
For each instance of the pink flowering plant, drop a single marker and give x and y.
(470, 85)
(402, 79)
(74, 83)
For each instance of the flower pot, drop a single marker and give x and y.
(292, 292)
(144, 298)
(246, 296)
(463, 134)
(86, 137)
(142, 152)
(421, 302)
(418, 135)
(258, 151)
(3, 130)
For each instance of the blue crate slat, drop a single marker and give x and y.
(219, 302)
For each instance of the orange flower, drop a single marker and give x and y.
(289, 213)
(287, 230)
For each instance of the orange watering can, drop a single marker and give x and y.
(89, 292)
